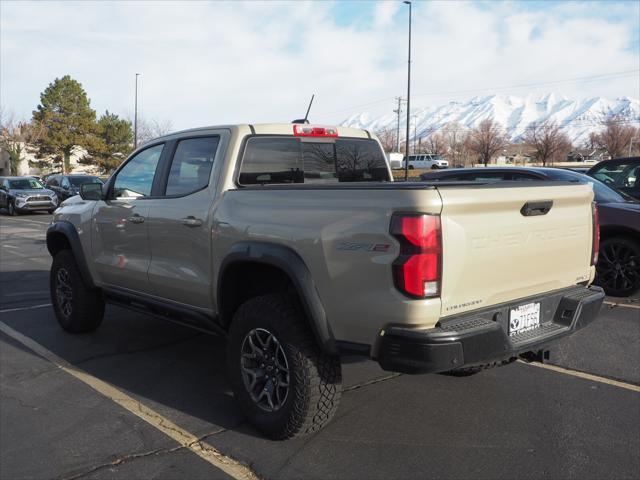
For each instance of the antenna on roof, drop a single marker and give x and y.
(306, 117)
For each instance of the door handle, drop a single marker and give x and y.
(191, 221)
(136, 219)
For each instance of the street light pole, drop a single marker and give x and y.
(406, 148)
(398, 111)
(135, 117)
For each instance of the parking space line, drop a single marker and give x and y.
(19, 309)
(186, 439)
(584, 375)
(20, 294)
(22, 221)
(613, 304)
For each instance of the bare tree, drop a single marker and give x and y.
(387, 137)
(17, 138)
(616, 136)
(150, 129)
(455, 136)
(592, 142)
(547, 140)
(435, 143)
(486, 140)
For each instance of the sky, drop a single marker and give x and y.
(207, 63)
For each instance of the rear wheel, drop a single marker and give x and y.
(618, 268)
(284, 385)
(78, 308)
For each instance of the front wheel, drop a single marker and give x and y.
(78, 308)
(618, 268)
(11, 209)
(284, 385)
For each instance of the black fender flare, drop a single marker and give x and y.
(68, 230)
(294, 267)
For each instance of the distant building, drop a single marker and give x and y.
(5, 165)
(587, 155)
(29, 160)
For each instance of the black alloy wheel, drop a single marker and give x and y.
(618, 268)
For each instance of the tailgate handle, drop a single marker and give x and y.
(531, 209)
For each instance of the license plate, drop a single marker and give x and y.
(524, 318)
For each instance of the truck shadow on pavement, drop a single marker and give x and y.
(385, 423)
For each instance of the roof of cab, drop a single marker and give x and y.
(269, 129)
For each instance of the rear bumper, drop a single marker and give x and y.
(482, 336)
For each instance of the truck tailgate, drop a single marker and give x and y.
(496, 251)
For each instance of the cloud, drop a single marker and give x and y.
(213, 63)
(384, 12)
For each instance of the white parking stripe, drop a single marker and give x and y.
(628, 305)
(22, 221)
(184, 438)
(20, 294)
(19, 309)
(585, 376)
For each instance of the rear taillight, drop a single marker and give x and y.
(314, 131)
(595, 244)
(417, 270)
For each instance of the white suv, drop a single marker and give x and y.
(427, 160)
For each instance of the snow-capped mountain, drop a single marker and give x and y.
(576, 117)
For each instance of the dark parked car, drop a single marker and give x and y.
(25, 194)
(618, 268)
(622, 174)
(67, 186)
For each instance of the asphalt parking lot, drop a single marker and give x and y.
(142, 398)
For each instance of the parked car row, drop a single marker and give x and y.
(618, 268)
(26, 194)
(67, 186)
(29, 194)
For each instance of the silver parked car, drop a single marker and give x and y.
(26, 194)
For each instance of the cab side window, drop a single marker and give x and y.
(65, 183)
(191, 165)
(135, 179)
(53, 181)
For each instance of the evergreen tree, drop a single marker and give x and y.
(114, 141)
(67, 119)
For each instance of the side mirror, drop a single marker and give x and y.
(91, 191)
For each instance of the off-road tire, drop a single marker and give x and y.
(315, 379)
(84, 310)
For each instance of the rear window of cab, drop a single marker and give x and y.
(286, 160)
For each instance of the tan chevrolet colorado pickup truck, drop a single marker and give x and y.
(293, 241)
